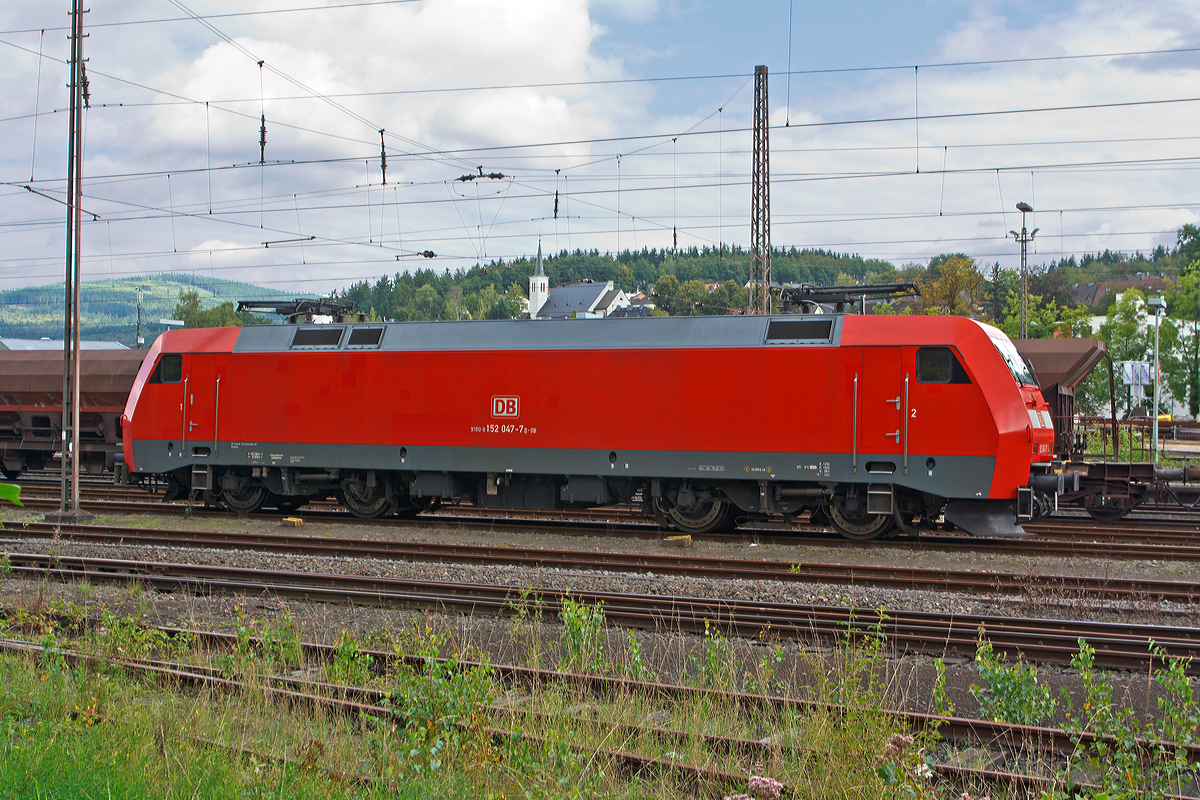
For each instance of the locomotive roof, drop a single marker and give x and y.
(575, 334)
(587, 334)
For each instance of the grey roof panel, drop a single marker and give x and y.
(562, 334)
(565, 299)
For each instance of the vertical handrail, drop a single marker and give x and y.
(216, 413)
(854, 429)
(906, 423)
(183, 430)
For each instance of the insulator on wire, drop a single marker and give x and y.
(382, 157)
(262, 141)
(87, 94)
(556, 203)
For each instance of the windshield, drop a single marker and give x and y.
(1016, 365)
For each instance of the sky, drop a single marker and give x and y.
(899, 131)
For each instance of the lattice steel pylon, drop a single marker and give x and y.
(760, 202)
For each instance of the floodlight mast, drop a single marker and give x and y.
(1024, 237)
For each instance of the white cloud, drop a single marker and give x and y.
(376, 63)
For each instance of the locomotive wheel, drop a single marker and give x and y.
(11, 474)
(247, 501)
(708, 517)
(366, 503)
(858, 527)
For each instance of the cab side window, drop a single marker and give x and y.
(169, 369)
(939, 365)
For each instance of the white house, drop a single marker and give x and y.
(583, 301)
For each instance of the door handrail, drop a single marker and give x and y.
(854, 426)
(183, 429)
(216, 413)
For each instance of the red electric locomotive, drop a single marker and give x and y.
(879, 422)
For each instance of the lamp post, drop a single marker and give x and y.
(1024, 237)
(1159, 306)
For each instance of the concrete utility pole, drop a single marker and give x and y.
(1024, 237)
(140, 341)
(760, 202)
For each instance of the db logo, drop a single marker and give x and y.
(506, 407)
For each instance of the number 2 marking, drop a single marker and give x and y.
(914, 414)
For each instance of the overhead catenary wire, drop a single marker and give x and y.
(296, 82)
(635, 187)
(37, 96)
(647, 79)
(824, 218)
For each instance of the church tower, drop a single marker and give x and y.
(538, 291)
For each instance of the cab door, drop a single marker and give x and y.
(882, 403)
(163, 409)
(201, 414)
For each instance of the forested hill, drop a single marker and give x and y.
(108, 308)
(491, 290)
(950, 284)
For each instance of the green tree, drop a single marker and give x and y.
(222, 315)
(729, 294)
(691, 298)
(454, 304)
(1188, 238)
(517, 302)
(951, 286)
(665, 290)
(1129, 338)
(426, 304)
(1046, 318)
(1185, 306)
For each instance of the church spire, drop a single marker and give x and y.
(538, 286)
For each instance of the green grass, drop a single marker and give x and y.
(71, 734)
(101, 732)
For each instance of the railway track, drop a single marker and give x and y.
(1118, 645)
(1067, 537)
(962, 729)
(910, 578)
(358, 700)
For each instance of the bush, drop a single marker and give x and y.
(1011, 692)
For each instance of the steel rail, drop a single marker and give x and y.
(905, 578)
(1118, 645)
